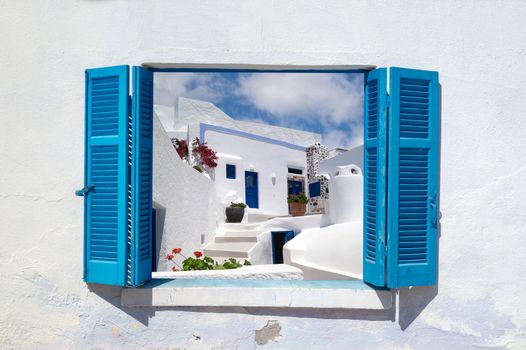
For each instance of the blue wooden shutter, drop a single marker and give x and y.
(375, 158)
(141, 184)
(106, 175)
(413, 167)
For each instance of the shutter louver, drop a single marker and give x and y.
(106, 170)
(413, 169)
(375, 157)
(142, 143)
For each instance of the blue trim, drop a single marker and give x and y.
(204, 127)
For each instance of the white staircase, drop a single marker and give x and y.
(233, 241)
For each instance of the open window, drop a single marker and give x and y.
(400, 175)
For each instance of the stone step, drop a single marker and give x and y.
(226, 239)
(238, 236)
(228, 226)
(258, 218)
(229, 249)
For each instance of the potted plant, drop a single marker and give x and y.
(235, 212)
(298, 204)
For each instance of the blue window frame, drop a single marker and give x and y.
(401, 151)
(230, 171)
(314, 189)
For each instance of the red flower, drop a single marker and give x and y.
(198, 254)
(174, 268)
(169, 257)
(176, 250)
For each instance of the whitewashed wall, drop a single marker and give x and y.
(191, 113)
(352, 156)
(479, 49)
(187, 207)
(269, 160)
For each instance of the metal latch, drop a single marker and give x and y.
(84, 191)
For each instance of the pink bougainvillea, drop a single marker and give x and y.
(203, 154)
(181, 146)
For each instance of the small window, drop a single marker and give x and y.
(295, 171)
(314, 189)
(230, 171)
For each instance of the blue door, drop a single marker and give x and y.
(295, 187)
(251, 189)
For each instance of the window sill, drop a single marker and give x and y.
(257, 293)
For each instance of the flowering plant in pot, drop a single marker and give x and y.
(235, 212)
(201, 262)
(298, 204)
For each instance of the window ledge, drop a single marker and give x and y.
(257, 293)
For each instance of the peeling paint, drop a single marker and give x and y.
(271, 332)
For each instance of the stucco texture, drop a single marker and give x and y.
(187, 207)
(479, 48)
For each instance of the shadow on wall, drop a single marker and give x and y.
(160, 215)
(413, 300)
(112, 295)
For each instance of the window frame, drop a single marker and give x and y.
(249, 68)
(174, 67)
(234, 169)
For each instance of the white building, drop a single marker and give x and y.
(258, 164)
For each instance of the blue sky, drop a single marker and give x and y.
(328, 103)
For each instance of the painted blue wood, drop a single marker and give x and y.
(141, 184)
(294, 187)
(315, 189)
(105, 208)
(251, 189)
(375, 176)
(230, 171)
(413, 168)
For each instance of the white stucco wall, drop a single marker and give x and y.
(187, 207)
(270, 161)
(190, 114)
(479, 50)
(352, 156)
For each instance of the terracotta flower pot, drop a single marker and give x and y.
(298, 208)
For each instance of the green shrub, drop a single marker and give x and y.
(298, 198)
(237, 205)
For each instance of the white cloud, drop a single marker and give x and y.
(338, 138)
(296, 98)
(302, 95)
(202, 86)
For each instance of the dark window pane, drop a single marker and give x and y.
(230, 171)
